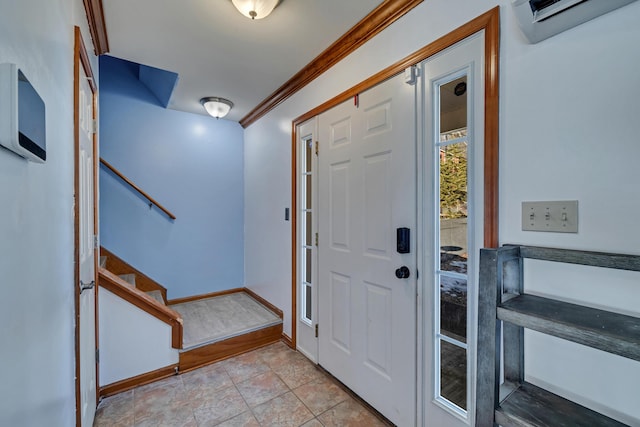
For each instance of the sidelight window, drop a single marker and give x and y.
(451, 144)
(307, 230)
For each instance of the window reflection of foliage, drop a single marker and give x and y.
(453, 181)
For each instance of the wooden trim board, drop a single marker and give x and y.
(138, 380)
(287, 340)
(204, 296)
(264, 302)
(380, 18)
(118, 266)
(200, 356)
(488, 22)
(97, 26)
(119, 287)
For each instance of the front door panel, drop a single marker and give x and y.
(367, 178)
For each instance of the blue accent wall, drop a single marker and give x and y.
(193, 165)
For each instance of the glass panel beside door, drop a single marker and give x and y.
(451, 145)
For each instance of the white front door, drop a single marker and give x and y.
(87, 304)
(451, 183)
(367, 190)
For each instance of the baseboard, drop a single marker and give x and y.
(204, 296)
(264, 302)
(129, 383)
(248, 291)
(287, 340)
(205, 355)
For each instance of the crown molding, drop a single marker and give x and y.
(97, 26)
(371, 25)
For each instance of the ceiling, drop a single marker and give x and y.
(216, 51)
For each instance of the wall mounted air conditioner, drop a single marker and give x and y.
(541, 19)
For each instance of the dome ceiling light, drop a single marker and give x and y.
(216, 107)
(255, 9)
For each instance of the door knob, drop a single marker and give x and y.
(403, 272)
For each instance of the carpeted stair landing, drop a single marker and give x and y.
(218, 318)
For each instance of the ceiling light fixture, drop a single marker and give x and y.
(216, 107)
(255, 9)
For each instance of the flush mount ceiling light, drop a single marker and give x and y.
(216, 107)
(255, 9)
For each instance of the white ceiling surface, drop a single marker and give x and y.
(216, 51)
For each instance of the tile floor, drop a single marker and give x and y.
(272, 386)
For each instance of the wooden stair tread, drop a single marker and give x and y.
(607, 331)
(532, 406)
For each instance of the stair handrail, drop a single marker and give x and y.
(151, 200)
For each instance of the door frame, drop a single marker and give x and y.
(489, 22)
(81, 59)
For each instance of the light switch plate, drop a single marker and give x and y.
(554, 216)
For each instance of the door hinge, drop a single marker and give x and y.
(97, 355)
(316, 239)
(411, 75)
(316, 330)
(94, 126)
(317, 144)
(95, 241)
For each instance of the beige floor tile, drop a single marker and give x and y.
(246, 419)
(219, 406)
(243, 367)
(349, 414)
(155, 399)
(215, 376)
(320, 395)
(278, 355)
(259, 389)
(298, 372)
(115, 410)
(174, 416)
(103, 421)
(313, 423)
(283, 411)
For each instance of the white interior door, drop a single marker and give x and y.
(85, 199)
(451, 197)
(367, 180)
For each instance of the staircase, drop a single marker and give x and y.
(502, 299)
(204, 328)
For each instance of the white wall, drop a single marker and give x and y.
(568, 108)
(132, 342)
(36, 224)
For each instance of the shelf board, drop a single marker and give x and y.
(592, 259)
(531, 406)
(607, 331)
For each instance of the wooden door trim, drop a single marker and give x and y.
(488, 22)
(97, 26)
(81, 59)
